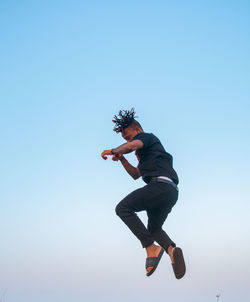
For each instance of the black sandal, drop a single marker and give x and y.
(179, 266)
(153, 262)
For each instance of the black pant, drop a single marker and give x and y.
(157, 198)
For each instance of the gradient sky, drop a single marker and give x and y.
(66, 68)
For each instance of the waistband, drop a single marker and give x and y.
(166, 180)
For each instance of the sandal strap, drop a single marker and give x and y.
(151, 261)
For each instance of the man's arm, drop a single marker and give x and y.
(124, 149)
(132, 171)
(128, 147)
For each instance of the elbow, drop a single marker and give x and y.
(137, 173)
(136, 176)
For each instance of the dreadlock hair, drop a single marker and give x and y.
(124, 119)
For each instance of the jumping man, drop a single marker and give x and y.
(157, 197)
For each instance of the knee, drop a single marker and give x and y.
(121, 210)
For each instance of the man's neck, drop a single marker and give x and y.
(137, 132)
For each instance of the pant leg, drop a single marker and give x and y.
(135, 202)
(146, 198)
(158, 214)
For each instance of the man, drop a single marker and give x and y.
(156, 198)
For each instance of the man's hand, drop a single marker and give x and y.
(117, 157)
(106, 152)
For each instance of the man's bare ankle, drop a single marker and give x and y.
(170, 250)
(150, 247)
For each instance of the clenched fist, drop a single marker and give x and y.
(106, 152)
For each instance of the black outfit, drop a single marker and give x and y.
(153, 158)
(156, 198)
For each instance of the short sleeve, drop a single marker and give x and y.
(146, 138)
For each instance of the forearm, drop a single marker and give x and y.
(123, 149)
(132, 171)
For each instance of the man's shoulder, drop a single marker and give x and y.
(144, 134)
(147, 138)
(150, 136)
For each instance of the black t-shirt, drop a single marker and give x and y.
(153, 158)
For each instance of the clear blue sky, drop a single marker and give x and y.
(66, 68)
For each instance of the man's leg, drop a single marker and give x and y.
(151, 197)
(142, 199)
(156, 218)
(135, 202)
(158, 214)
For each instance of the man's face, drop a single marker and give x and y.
(128, 133)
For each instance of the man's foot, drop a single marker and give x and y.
(154, 254)
(178, 263)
